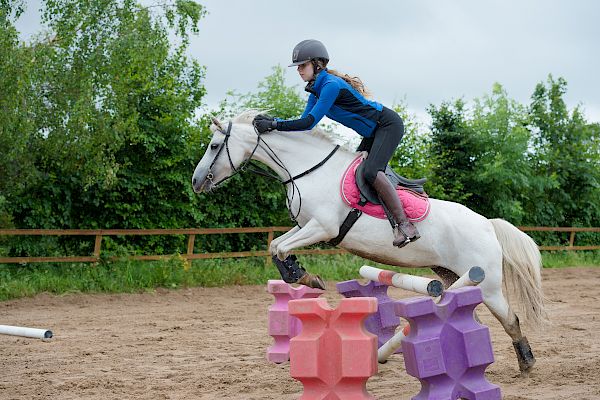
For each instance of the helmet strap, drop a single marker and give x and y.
(316, 67)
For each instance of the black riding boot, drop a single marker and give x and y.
(404, 231)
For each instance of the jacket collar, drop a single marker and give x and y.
(317, 82)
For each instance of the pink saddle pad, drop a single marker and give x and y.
(416, 205)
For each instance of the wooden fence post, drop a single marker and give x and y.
(190, 249)
(269, 240)
(572, 239)
(97, 246)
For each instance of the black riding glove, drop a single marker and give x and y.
(264, 123)
(262, 117)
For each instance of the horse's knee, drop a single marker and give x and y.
(282, 252)
(273, 248)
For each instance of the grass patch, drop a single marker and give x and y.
(561, 259)
(135, 276)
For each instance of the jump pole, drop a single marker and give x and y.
(473, 277)
(418, 284)
(25, 332)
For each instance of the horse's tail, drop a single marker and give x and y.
(521, 266)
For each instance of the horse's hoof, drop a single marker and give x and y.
(526, 367)
(312, 281)
(524, 355)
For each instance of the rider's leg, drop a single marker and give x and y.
(385, 139)
(404, 231)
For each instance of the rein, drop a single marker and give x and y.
(246, 165)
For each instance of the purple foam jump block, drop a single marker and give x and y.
(446, 349)
(384, 322)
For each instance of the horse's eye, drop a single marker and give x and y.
(214, 146)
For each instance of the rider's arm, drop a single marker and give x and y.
(312, 115)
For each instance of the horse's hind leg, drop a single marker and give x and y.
(448, 277)
(498, 305)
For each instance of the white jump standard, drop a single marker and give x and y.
(25, 332)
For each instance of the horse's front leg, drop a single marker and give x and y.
(291, 271)
(310, 233)
(275, 242)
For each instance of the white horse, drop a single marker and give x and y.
(453, 238)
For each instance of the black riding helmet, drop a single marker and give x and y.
(307, 50)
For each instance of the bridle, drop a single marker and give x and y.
(256, 169)
(225, 145)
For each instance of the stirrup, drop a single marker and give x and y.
(407, 239)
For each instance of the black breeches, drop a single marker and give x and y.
(382, 144)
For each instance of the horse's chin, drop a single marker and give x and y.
(206, 187)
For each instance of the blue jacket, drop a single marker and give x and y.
(335, 98)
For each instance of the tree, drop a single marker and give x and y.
(567, 154)
(16, 67)
(110, 117)
(454, 151)
(273, 96)
(502, 176)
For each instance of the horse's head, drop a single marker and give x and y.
(230, 147)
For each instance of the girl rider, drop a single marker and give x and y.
(342, 98)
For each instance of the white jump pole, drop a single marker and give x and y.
(473, 277)
(418, 284)
(26, 332)
(390, 347)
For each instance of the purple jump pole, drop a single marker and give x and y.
(282, 326)
(446, 349)
(384, 322)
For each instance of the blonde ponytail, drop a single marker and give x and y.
(353, 81)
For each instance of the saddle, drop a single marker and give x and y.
(357, 193)
(368, 194)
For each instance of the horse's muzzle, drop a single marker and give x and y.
(202, 182)
(201, 186)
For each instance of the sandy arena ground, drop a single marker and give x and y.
(209, 343)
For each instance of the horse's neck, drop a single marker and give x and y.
(295, 155)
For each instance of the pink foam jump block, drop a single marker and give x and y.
(281, 326)
(334, 355)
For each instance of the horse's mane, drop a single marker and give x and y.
(247, 116)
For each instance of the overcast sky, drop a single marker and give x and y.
(420, 51)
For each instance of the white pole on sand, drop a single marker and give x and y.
(26, 332)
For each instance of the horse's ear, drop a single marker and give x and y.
(216, 123)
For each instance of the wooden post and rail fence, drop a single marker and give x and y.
(193, 233)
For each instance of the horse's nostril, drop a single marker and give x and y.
(194, 181)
